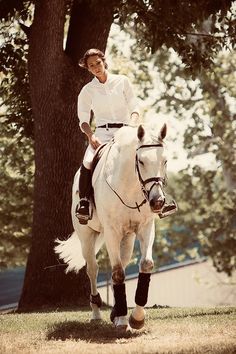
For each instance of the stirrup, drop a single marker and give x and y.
(168, 209)
(82, 211)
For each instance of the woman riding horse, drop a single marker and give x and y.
(114, 105)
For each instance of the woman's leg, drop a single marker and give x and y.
(85, 180)
(85, 187)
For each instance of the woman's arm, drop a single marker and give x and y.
(93, 140)
(131, 101)
(84, 110)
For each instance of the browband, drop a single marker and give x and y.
(151, 145)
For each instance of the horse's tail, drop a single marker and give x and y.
(70, 252)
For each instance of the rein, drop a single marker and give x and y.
(156, 180)
(146, 193)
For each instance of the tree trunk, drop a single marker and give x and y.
(55, 82)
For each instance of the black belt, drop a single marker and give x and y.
(112, 125)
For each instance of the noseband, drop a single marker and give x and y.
(156, 180)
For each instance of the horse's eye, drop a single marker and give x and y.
(141, 162)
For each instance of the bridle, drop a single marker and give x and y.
(156, 180)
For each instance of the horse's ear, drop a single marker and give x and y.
(141, 132)
(163, 132)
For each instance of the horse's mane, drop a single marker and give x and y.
(128, 135)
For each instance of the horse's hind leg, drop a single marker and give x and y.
(89, 239)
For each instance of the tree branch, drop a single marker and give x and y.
(200, 34)
(201, 149)
(179, 100)
(25, 29)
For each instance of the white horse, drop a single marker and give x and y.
(128, 192)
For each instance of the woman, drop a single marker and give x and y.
(114, 105)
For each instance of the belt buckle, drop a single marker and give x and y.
(107, 128)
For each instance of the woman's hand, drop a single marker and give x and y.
(94, 141)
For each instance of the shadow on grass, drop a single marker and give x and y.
(96, 332)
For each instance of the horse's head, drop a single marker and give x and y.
(151, 166)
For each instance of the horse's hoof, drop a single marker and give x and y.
(121, 324)
(135, 324)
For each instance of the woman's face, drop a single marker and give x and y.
(96, 66)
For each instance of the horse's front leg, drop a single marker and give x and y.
(146, 237)
(119, 310)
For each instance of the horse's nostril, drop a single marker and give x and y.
(152, 203)
(157, 203)
(160, 203)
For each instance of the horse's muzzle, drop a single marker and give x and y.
(156, 204)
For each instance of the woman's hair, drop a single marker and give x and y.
(90, 53)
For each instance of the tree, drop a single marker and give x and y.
(51, 75)
(54, 83)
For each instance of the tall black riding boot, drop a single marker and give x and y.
(85, 188)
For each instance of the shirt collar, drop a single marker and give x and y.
(95, 79)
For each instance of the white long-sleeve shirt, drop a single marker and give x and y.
(111, 102)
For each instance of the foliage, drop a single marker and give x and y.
(17, 165)
(205, 223)
(15, 95)
(211, 194)
(188, 27)
(16, 197)
(195, 30)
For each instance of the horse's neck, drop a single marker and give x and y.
(125, 177)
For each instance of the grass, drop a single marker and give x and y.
(168, 330)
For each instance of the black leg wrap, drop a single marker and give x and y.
(141, 295)
(96, 299)
(120, 307)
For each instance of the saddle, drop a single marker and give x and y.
(97, 157)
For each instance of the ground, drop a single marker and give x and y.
(168, 330)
